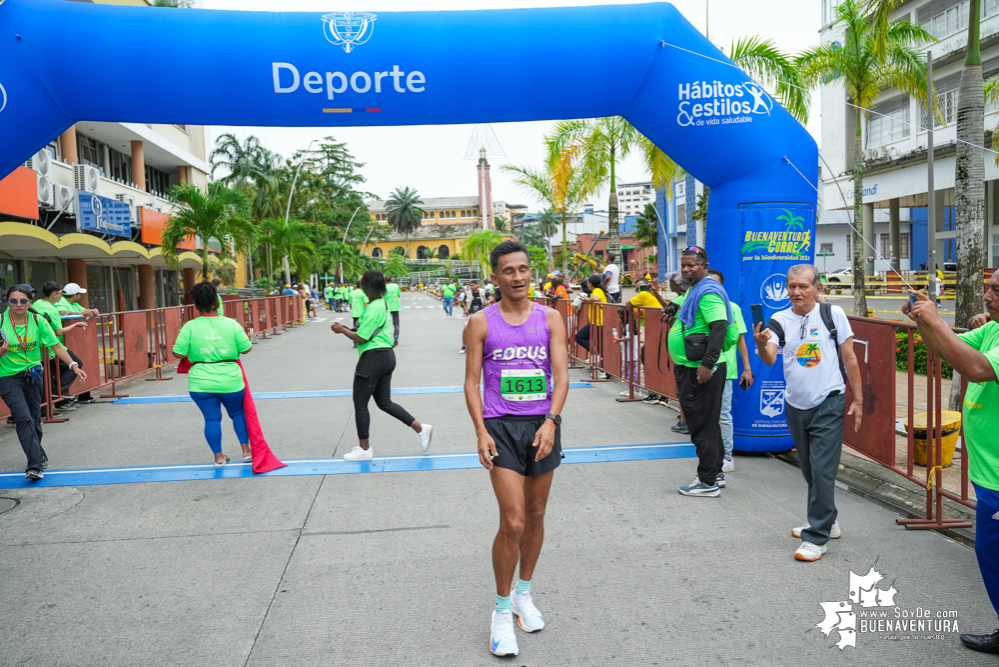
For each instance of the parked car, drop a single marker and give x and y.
(840, 276)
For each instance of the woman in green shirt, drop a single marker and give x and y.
(212, 344)
(373, 375)
(22, 336)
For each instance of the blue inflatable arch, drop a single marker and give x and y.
(643, 62)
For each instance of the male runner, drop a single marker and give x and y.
(521, 347)
(392, 292)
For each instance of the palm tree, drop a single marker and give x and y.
(532, 236)
(969, 179)
(564, 192)
(404, 214)
(290, 240)
(646, 230)
(499, 223)
(875, 55)
(429, 253)
(762, 60)
(547, 223)
(216, 213)
(595, 146)
(478, 245)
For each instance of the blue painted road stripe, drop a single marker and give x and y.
(324, 393)
(463, 461)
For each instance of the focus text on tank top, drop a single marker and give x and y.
(517, 370)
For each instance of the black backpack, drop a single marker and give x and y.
(825, 312)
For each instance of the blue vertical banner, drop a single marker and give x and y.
(774, 237)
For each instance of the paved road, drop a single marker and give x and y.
(394, 568)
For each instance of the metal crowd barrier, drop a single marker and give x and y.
(875, 345)
(120, 347)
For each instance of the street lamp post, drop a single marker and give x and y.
(344, 239)
(287, 211)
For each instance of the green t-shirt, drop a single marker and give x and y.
(220, 303)
(711, 309)
(729, 356)
(51, 313)
(64, 304)
(375, 315)
(213, 339)
(392, 292)
(358, 299)
(448, 291)
(981, 411)
(329, 292)
(76, 307)
(24, 351)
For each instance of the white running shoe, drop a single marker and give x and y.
(810, 552)
(530, 619)
(358, 454)
(502, 640)
(834, 532)
(425, 435)
(728, 465)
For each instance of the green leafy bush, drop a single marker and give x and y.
(919, 352)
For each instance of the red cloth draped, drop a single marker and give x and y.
(263, 459)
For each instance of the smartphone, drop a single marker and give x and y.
(644, 288)
(912, 300)
(757, 309)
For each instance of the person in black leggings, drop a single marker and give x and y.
(373, 375)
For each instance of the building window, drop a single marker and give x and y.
(886, 246)
(90, 151)
(991, 8)
(121, 166)
(681, 214)
(377, 252)
(826, 248)
(888, 128)
(949, 21)
(156, 180)
(903, 245)
(421, 252)
(948, 108)
(443, 252)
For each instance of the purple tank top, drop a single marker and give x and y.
(516, 367)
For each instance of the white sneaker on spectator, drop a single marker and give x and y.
(834, 532)
(728, 465)
(810, 552)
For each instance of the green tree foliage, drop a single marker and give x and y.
(404, 213)
(874, 55)
(478, 245)
(647, 228)
(763, 61)
(395, 266)
(539, 260)
(217, 213)
(289, 240)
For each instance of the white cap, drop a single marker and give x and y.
(72, 288)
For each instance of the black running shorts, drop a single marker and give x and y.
(514, 436)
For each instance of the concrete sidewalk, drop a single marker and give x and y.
(394, 568)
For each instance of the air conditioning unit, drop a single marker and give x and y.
(86, 178)
(132, 208)
(64, 198)
(41, 163)
(45, 196)
(893, 153)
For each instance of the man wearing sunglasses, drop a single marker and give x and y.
(975, 355)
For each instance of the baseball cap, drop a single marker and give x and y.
(72, 288)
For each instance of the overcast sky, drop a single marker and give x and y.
(431, 158)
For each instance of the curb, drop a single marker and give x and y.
(893, 492)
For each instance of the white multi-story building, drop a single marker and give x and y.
(632, 197)
(894, 145)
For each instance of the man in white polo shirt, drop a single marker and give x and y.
(816, 343)
(612, 279)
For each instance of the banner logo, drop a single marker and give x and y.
(349, 29)
(772, 402)
(3, 98)
(717, 103)
(774, 292)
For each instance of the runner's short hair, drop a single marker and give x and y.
(806, 268)
(594, 280)
(716, 272)
(205, 296)
(49, 287)
(507, 248)
(373, 283)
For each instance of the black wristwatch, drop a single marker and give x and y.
(555, 418)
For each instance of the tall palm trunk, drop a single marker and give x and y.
(859, 250)
(614, 243)
(407, 245)
(204, 259)
(565, 249)
(969, 180)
